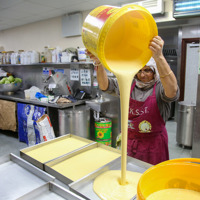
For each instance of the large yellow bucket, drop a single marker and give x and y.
(119, 34)
(183, 173)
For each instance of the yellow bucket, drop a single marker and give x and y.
(183, 173)
(116, 34)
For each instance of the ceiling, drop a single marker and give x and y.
(15, 13)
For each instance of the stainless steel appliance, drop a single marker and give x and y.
(75, 120)
(185, 123)
(62, 84)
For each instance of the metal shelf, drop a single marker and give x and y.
(48, 64)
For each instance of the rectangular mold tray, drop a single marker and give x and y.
(53, 149)
(109, 154)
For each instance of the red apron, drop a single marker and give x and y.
(147, 135)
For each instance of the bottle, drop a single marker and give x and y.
(1, 58)
(34, 57)
(42, 57)
(4, 57)
(47, 54)
(28, 57)
(8, 57)
(53, 55)
(95, 88)
(20, 56)
(58, 54)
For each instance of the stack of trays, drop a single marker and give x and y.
(70, 157)
(76, 162)
(44, 152)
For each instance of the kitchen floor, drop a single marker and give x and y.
(175, 151)
(9, 143)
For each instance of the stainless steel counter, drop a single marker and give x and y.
(20, 97)
(19, 177)
(21, 180)
(50, 191)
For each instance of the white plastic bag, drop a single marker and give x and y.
(30, 93)
(45, 128)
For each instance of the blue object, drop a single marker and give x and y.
(39, 95)
(23, 112)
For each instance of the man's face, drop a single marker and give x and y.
(146, 74)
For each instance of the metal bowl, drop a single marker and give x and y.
(12, 87)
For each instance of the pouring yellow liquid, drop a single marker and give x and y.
(123, 48)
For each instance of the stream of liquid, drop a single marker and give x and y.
(126, 52)
(111, 185)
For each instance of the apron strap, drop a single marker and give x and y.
(134, 84)
(132, 87)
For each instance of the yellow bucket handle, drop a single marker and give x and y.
(182, 160)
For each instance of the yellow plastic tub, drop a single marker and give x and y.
(183, 173)
(119, 35)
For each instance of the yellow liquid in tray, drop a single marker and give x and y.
(174, 194)
(55, 149)
(108, 186)
(84, 163)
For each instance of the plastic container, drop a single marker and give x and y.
(44, 99)
(4, 57)
(81, 54)
(119, 34)
(27, 94)
(181, 173)
(48, 55)
(42, 57)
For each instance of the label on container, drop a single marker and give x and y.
(105, 12)
(94, 22)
